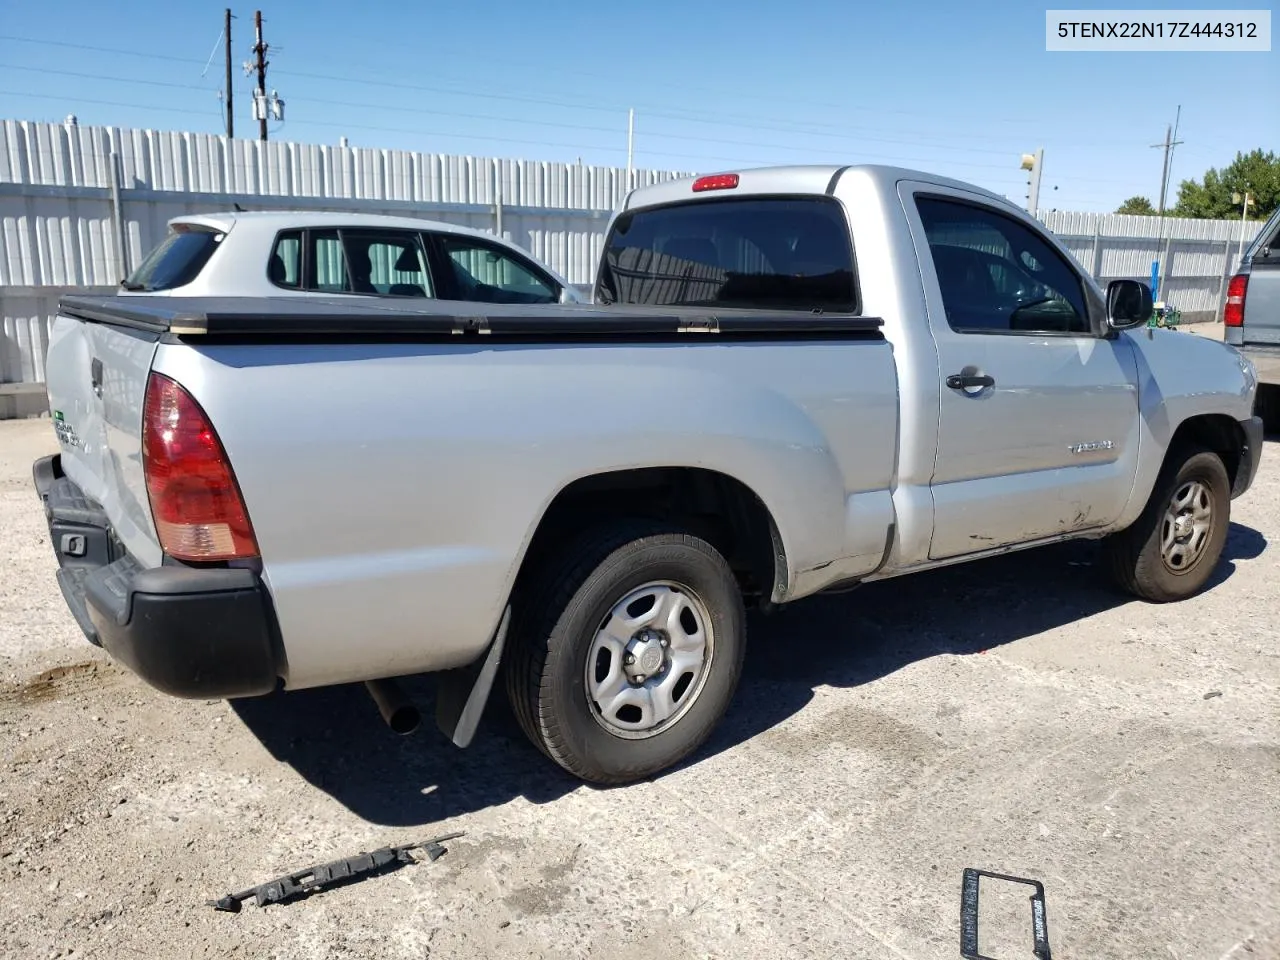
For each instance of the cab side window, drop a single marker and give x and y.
(997, 275)
(491, 275)
(387, 262)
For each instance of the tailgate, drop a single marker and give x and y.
(1262, 304)
(97, 379)
(1262, 300)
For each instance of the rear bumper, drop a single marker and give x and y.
(1265, 360)
(1250, 456)
(187, 631)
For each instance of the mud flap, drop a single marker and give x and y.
(462, 693)
(969, 915)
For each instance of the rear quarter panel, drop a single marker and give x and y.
(394, 488)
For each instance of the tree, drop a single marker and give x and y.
(1211, 198)
(1137, 205)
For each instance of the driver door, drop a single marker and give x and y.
(1038, 408)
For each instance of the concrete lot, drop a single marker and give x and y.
(1015, 715)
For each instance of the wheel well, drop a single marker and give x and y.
(1216, 432)
(723, 511)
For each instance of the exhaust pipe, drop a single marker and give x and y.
(397, 710)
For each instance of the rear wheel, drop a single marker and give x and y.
(626, 652)
(1173, 547)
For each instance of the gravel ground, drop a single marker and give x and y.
(1015, 715)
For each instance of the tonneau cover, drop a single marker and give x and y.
(358, 318)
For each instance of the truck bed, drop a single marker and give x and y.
(396, 458)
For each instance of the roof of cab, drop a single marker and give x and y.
(800, 178)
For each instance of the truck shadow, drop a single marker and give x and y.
(335, 740)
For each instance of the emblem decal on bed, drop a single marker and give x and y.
(66, 433)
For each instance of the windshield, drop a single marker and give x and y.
(176, 261)
(782, 252)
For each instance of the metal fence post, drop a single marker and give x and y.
(1166, 284)
(1097, 250)
(117, 218)
(1222, 279)
(497, 197)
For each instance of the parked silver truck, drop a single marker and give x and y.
(1251, 315)
(791, 380)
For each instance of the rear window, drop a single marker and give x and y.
(176, 261)
(775, 252)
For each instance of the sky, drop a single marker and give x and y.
(957, 89)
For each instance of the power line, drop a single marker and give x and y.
(665, 111)
(541, 66)
(85, 46)
(595, 128)
(366, 105)
(98, 76)
(685, 156)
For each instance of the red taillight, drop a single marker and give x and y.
(1233, 312)
(195, 502)
(720, 181)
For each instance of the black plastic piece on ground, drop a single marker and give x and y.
(969, 915)
(303, 883)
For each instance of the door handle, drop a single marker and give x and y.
(958, 381)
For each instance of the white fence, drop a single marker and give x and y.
(80, 206)
(1197, 257)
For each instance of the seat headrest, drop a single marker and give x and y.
(407, 262)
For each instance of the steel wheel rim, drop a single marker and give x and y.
(649, 660)
(1186, 526)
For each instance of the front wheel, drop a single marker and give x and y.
(626, 652)
(1173, 547)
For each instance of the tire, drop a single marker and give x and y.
(1267, 406)
(1137, 556)
(559, 627)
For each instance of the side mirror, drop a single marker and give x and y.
(1128, 304)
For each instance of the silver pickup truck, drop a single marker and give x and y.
(1251, 315)
(790, 380)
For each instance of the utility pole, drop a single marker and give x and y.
(1034, 163)
(260, 98)
(1170, 141)
(226, 34)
